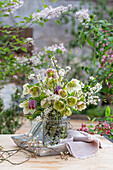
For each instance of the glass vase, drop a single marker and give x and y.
(54, 130)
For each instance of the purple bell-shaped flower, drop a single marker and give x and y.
(57, 89)
(32, 104)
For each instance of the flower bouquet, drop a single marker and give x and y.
(54, 98)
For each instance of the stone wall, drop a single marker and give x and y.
(51, 33)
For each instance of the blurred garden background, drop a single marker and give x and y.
(16, 57)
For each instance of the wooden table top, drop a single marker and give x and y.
(102, 161)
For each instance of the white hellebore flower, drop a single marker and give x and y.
(81, 106)
(25, 89)
(62, 72)
(73, 85)
(25, 106)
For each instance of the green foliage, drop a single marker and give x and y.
(54, 1)
(10, 119)
(99, 112)
(107, 112)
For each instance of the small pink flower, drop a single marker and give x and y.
(81, 129)
(110, 74)
(86, 129)
(83, 125)
(104, 56)
(110, 50)
(110, 86)
(108, 132)
(102, 49)
(103, 44)
(107, 52)
(102, 60)
(106, 125)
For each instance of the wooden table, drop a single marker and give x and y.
(102, 161)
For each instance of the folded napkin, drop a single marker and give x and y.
(81, 144)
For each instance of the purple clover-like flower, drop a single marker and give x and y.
(32, 104)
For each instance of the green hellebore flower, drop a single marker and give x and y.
(44, 103)
(50, 83)
(71, 101)
(59, 105)
(66, 111)
(35, 91)
(62, 93)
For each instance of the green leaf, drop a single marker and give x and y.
(23, 49)
(90, 42)
(54, 1)
(6, 26)
(84, 38)
(94, 61)
(100, 131)
(41, 23)
(17, 16)
(42, 1)
(58, 22)
(45, 6)
(71, 50)
(110, 39)
(102, 21)
(14, 36)
(107, 112)
(90, 126)
(88, 118)
(93, 119)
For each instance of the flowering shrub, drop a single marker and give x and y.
(98, 34)
(11, 6)
(50, 12)
(93, 35)
(14, 66)
(104, 126)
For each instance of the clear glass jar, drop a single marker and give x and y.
(54, 130)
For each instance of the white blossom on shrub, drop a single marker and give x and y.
(50, 12)
(30, 41)
(83, 15)
(13, 5)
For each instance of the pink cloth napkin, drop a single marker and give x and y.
(81, 144)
